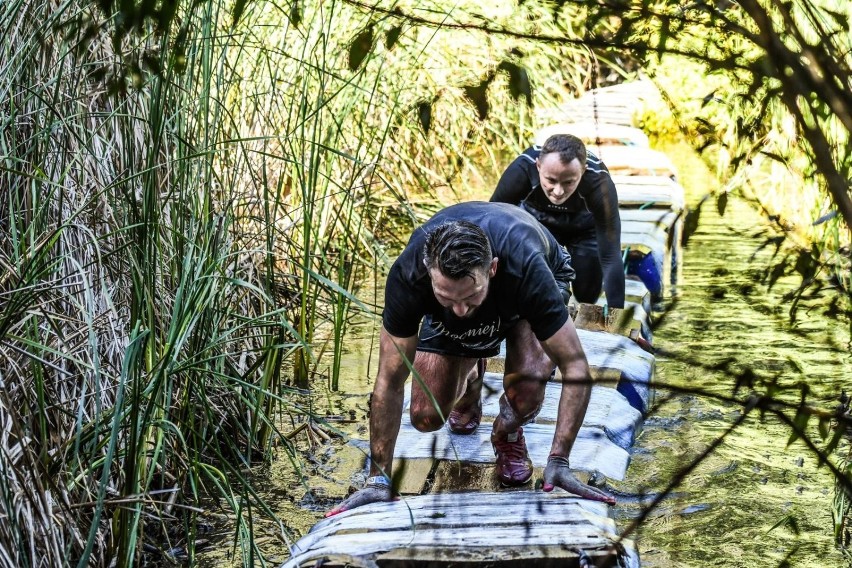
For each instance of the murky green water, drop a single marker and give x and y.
(752, 502)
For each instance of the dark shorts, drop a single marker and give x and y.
(477, 342)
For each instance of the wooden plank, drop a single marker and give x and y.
(640, 318)
(608, 409)
(593, 450)
(411, 475)
(622, 321)
(590, 132)
(663, 218)
(635, 291)
(465, 526)
(647, 236)
(635, 160)
(612, 351)
(650, 192)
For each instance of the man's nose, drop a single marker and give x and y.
(460, 309)
(558, 189)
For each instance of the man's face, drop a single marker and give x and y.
(462, 296)
(558, 180)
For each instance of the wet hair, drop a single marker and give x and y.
(567, 146)
(457, 249)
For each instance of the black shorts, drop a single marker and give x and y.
(480, 340)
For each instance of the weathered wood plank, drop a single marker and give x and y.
(612, 351)
(592, 451)
(634, 160)
(663, 218)
(590, 133)
(644, 236)
(607, 354)
(625, 321)
(608, 409)
(636, 291)
(650, 192)
(465, 526)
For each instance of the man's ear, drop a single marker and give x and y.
(493, 268)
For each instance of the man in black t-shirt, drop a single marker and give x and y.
(473, 275)
(570, 191)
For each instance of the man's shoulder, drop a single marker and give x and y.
(529, 156)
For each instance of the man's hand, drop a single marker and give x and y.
(558, 474)
(377, 489)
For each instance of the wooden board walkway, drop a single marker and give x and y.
(479, 529)
(451, 512)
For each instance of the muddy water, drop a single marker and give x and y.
(753, 502)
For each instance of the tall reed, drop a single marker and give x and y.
(190, 204)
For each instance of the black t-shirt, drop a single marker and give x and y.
(525, 287)
(590, 213)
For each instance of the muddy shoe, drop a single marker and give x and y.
(466, 420)
(513, 461)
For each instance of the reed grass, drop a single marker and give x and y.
(191, 205)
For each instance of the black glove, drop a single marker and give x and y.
(376, 489)
(558, 474)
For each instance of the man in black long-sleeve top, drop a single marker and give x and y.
(570, 191)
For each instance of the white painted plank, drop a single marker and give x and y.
(612, 351)
(663, 218)
(651, 191)
(589, 132)
(648, 235)
(608, 409)
(592, 450)
(464, 526)
(635, 160)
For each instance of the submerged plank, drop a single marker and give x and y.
(479, 527)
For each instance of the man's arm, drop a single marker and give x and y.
(565, 349)
(395, 357)
(608, 234)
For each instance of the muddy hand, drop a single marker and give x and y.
(558, 474)
(371, 493)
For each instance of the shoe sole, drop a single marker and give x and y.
(515, 483)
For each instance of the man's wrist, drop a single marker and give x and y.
(380, 480)
(560, 459)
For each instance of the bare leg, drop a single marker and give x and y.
(528, 368)
(444, 382)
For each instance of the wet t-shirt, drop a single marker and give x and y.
(590, 214)
(524, 288)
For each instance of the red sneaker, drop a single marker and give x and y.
(456, 419)
(514, 466)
